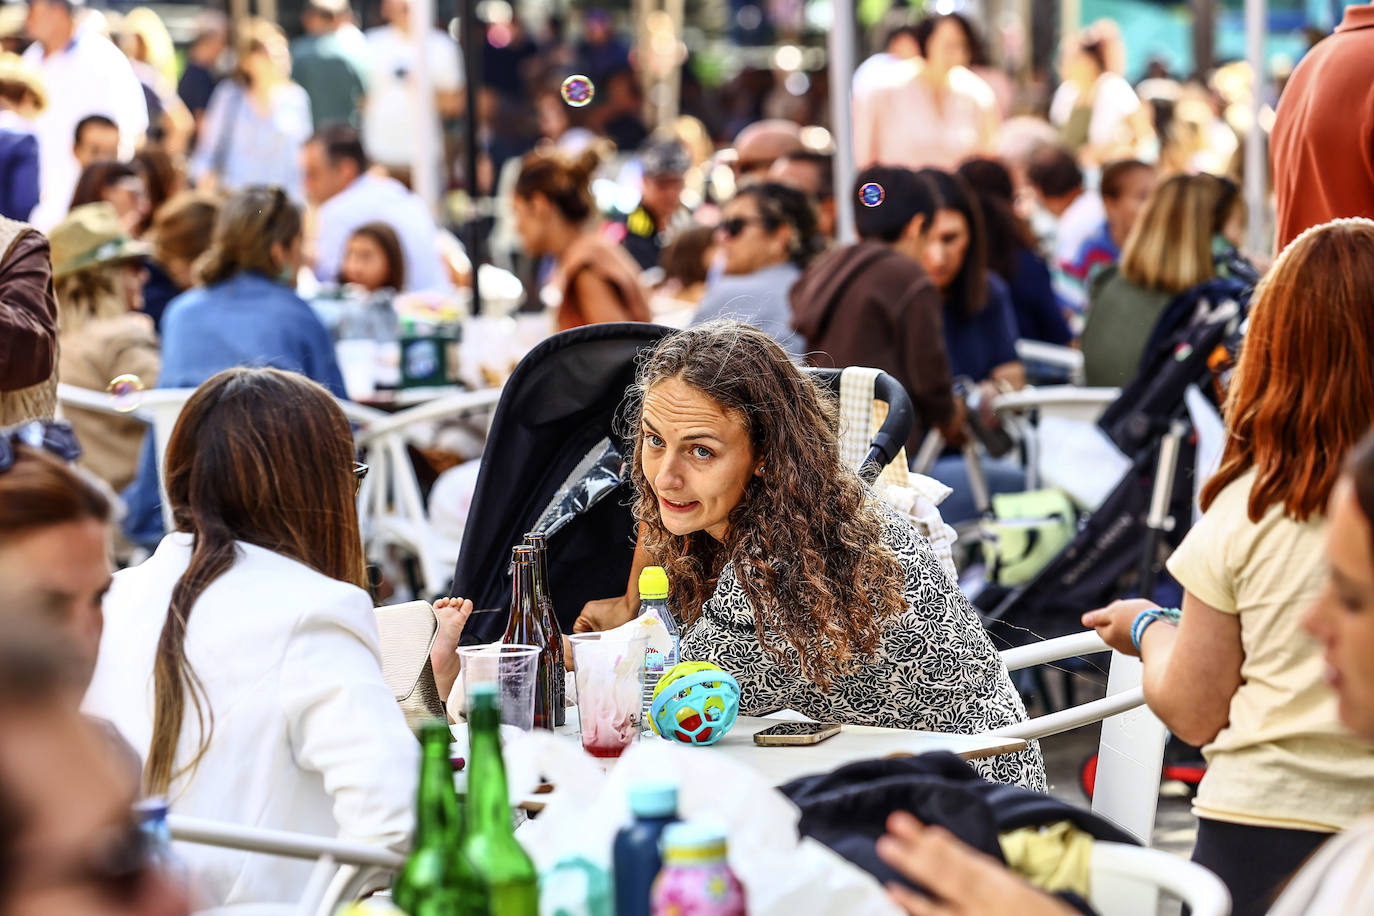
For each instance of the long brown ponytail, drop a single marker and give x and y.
(260, 456)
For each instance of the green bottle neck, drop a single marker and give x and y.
(436, 808)
(488, 804)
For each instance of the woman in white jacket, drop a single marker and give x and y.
(241, 659)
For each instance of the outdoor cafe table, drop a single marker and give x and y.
(781, 765)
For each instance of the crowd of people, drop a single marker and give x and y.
(194, 227)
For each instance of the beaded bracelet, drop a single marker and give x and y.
(1148, 616)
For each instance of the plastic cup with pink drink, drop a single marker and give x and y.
(609, 671)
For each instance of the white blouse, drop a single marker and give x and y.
(306, 735)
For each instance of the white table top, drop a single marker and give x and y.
(780, 765)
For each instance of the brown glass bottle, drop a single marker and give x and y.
(526, 626)
(549, 616)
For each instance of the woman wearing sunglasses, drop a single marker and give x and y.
(241, 659)
(768, 236)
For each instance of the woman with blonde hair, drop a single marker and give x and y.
(241, 659)
(1186, 235)
(257, 122)
(1236, 675)
(98, 277)
(593, 280)
(145, 41)
(1098, 114)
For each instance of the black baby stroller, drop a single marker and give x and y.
(1117, 549)
(555, 463)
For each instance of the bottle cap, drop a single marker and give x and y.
(653, 582)
(653, 799)
(694, 842)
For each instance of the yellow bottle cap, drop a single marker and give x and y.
(653, 582)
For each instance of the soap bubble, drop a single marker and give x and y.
(871, 194)
(126, 392)
(578, 91)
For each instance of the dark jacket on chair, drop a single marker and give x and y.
(868, 305)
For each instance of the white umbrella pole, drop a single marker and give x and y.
(428, 144)
(1256, 152)
(841, 43)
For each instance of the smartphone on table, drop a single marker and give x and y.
(786, 734)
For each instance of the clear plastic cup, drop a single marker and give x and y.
(513, 669)
(609, 670)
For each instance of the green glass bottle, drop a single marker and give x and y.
(428, 882)
(496, 877)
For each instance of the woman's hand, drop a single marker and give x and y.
(1113, 622)
(605, 614)
(961, 881)
(452, 614)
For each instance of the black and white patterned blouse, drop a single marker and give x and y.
(935, 668)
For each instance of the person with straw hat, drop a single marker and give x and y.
(22, 98)
(106, 342)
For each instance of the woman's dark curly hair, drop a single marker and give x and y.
(805, 540)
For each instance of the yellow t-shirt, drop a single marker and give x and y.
(1284, 759)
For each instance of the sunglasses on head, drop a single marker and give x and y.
(736, 225)
(41, 435)
(359, 472)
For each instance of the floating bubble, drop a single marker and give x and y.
(126, 392)
(871, 194)
(578, 91)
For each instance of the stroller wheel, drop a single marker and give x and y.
(1087, 775)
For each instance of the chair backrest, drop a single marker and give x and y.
(892, 435)
(1131, 750)
(1127, 880)
(344, 870)
(161, 407)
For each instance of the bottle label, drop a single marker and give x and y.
(653, 673)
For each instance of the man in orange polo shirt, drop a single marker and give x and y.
(1323, 141)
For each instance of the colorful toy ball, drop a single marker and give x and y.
(871, 194)
(695, 703)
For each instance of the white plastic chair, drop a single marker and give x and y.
(343, 871)
(1127, 880)
(158, 407)
(1047, 354)
(1131, 749)
(391, 506)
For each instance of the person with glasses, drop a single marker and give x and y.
(246, 313)
(70, 842)
(767, 237)
(592, 279)
(241, 659)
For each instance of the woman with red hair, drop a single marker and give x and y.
(1236, 674)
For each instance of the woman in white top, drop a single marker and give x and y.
(256, 122)
(1339, 879)
(241, 659)
(1237, 676)
(1098, 114)
(934, 112)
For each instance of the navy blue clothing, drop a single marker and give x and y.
(197, 83)
(1038, 315)
(980, 344)
(246, 320)
(18, 174)
(158, 292)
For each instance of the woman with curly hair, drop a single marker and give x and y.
(786, 572)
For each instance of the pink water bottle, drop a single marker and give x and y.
(696, 880)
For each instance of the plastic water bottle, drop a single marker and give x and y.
(653, 598)
(637, 856)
